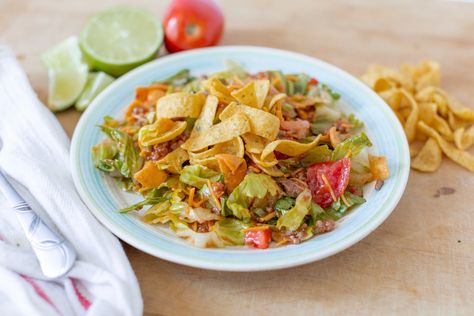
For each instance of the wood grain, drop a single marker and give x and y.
(420, 261)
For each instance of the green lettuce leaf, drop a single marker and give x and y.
(154, 213)
(353, 199)
(155, 196)
(301, 84)
(334, 95)
(356, 124)
(338, 209)
(351, 146)
(127, 159)
(317, 154)
(180, 78)
(320, 125)
(189, 214)
(283, 205)
(210, 200)
(295, 216)
(328, 112)
(230, 231)
(202, 240)
(125, 184)
(325, 118)
(317, 213)
(197, 175)
(103, 155)
(254, 190)
(111, 122)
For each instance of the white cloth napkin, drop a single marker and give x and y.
(35, 156)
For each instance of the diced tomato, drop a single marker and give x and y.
(313, 81)
(258, 238)
(355, 190)
(337, 174)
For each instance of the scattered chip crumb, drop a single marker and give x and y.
(378, 184)
(20, 56)
(444, 191)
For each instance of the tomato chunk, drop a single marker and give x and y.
(258, 238)
(336, 173)
(313, 81)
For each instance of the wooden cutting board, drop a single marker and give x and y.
(420, 260)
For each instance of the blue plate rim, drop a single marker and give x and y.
(124, 234)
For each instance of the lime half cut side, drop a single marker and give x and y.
(67, 73)
(120, 39)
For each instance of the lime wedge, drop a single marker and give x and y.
(96, 82)
(67, 73)
(120, 39)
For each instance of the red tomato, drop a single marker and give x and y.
(191, 24)
(337, 174)
(258, 238)
(313, 81)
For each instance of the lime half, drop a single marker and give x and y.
(67, 73)
(96, 82)
(120, 39)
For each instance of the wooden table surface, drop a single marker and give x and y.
(419, 261)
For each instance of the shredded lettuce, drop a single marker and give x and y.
(125, 184)
(201, 240)
(154, 213)
(283, 205)
(325, 118)
(111, 122)
(301, 85)
(254, 190)
(353, 199)
(334, 95)
(230, 230)
(210, 200)
(126, 159)
(103, 155)
(338, 209)
(197, 175)
(351, 147)
(328, 112)
(155, 196)
(198, 214)
(317, 154)
(356, 124)
(180, 78)
(320, 125)
(317, 213)
(295, 216)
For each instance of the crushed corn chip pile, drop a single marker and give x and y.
(434, 121)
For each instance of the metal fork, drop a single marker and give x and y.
(55, 254)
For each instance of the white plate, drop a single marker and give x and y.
(104, 198)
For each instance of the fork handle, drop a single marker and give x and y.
(55, 254)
